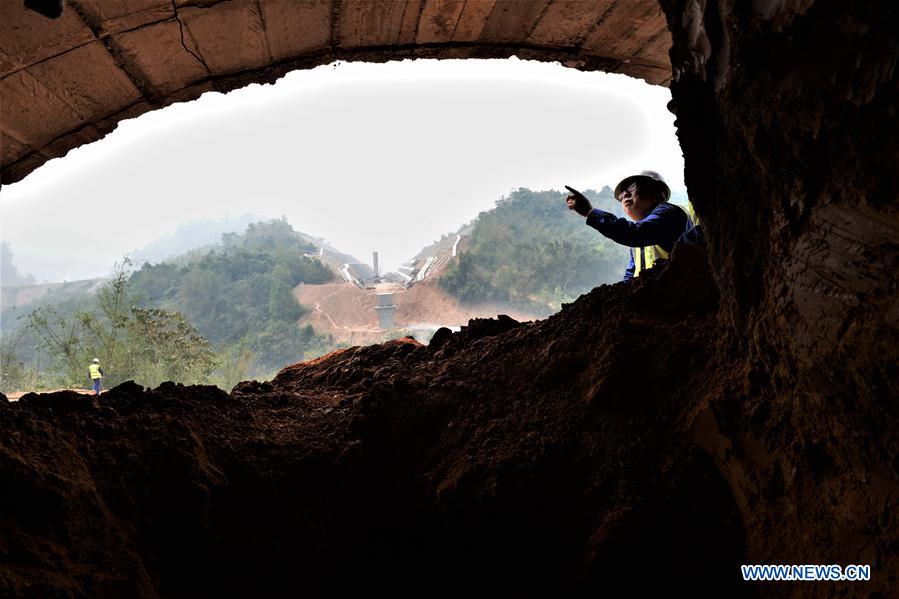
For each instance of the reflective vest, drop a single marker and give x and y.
(645, 257)
(94, 370)
(691, 213)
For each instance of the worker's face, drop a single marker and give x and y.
(636, 207)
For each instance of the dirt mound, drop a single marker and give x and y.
(509, 456)
(16, 395)
(427, 302)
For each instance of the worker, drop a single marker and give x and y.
(654, 226)
(96, 374)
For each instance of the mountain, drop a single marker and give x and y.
(530, 252)
(191, 236)
(238, 293)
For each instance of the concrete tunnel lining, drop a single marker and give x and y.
(69, 81)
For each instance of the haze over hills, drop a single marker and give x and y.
(269, 296)
(190, 236)
(232, 300)
(195, 239)
(9, 273)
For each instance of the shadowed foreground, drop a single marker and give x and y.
(567, 454)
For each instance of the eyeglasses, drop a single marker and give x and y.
(627, 193)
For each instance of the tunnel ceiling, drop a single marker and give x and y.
(68, 81)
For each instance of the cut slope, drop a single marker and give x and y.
(347, 312)
(23, 295)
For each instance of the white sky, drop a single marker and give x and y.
(384, 157)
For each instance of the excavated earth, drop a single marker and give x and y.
(570, 454)
(347, 313)
(739, 406)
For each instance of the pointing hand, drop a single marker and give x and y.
(578, 202)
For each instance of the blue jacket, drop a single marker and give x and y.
(662, 227)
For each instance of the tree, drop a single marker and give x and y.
(165, 347)
(529, 253)
(234, 366)
(147, 345)
(12, 369)
(282, 306)
(239, 296)
(61, 337)
(109, 327)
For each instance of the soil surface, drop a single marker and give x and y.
(347, 312)
(567, 454)
(17, 395)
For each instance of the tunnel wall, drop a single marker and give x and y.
(786, 113)
(69, 81)
(787, 117)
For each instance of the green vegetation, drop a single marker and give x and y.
(148, 345)
(239, 296)
(216, 317)
(24, 364)
(224, 314)
(15, 374)
(532, 253)
(190, 237)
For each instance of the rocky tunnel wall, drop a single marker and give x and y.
(786, 113)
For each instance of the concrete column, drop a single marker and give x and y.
(385, 310)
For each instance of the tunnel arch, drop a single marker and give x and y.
(68, 81)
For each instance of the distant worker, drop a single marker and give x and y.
(96, 374)
(654, 226)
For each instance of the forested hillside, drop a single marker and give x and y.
(190, 236)
(216, 316)
(226, 313)
(238, 295)
(533, 253)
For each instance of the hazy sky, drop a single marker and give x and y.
(383, 157)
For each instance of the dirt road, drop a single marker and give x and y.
(348, 313)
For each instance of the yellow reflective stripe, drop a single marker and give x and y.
(657, 252)
(692, 213)
(649, 255)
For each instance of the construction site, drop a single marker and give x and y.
(736, 405)
(371, 307)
